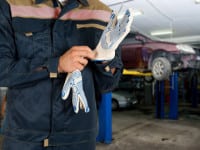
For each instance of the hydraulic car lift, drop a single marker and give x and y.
(105, 119)
(160, 98)
(105, 111)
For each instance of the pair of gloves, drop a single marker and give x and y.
(112, 36)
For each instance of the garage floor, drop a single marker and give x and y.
(138, 129)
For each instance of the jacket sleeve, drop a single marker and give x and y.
(16, 71)
(105, 80)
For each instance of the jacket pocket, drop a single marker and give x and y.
(32, 37)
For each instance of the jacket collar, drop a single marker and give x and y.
(83, 2)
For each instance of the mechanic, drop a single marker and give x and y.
(41, 41)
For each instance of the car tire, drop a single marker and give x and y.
(115, 105)
(161, 68)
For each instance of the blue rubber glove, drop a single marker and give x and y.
(74, 82)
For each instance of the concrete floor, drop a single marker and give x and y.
(138, 129)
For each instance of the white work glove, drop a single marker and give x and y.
(113, 35)
(74, 81)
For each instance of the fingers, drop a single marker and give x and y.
(83, 51)
(81, 60)
(75, 58)
(77, 66)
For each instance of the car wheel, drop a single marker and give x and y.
(161, 68)
(115, 104)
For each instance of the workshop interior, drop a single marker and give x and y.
(156, 105)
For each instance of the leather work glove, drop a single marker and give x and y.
(113, 35)
(74, 81)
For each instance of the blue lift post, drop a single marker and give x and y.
(160, 100)
(194, 97)
(105, 119)
(173, 110)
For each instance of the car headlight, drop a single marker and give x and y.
(185, 48)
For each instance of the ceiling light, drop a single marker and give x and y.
(137, 13)
(197, 1)
(161, 32)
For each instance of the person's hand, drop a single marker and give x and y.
(75, 58)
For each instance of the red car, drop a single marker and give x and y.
(143, 54)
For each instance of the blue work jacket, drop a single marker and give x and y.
(33, 35)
